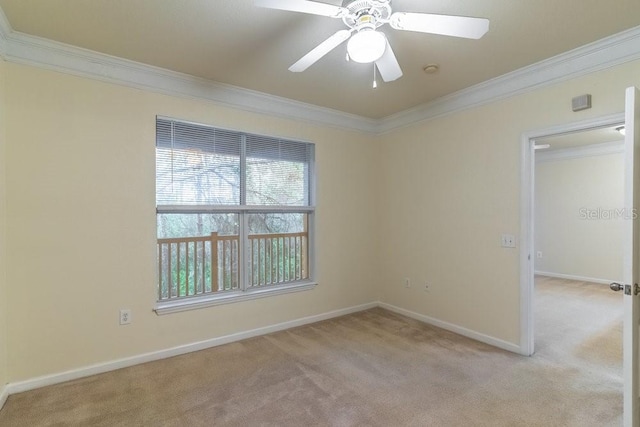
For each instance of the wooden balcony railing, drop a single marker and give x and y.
(277, 258)
(190, 266)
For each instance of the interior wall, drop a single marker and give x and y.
(81, 209)
(427, 202)
(451, 186)
(579, 217)
(4, 376)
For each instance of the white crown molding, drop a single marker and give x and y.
(597, 56)
(35, 51)
(614, 147)
(5, 30)
(38, 52)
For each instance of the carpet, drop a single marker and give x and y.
(373, 368)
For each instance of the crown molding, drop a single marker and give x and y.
(5, 30)
(25, 49)
(614, 147)
(597, 56)
(35, 51)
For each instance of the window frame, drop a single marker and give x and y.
(245, 292)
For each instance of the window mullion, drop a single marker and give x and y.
(243, 250)
(195, 209)
(243, 170)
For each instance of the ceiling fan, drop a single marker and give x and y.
(364, 17)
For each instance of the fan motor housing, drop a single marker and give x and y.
(370, 12)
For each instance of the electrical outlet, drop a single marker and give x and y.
(426, 287)
(125, 316)
(407, 282)
(539, 254)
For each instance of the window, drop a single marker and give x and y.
(234, 215)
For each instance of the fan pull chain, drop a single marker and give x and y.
(375, 83)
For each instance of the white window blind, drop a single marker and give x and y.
(196, 165)
(277, 172)
(201, 165)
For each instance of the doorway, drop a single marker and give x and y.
(561, 136)
(578, 241)
(578, 206)
(568, 313)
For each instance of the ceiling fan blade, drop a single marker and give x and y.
(447, 25)
(304, 6)
(388, 65)
(321, 50)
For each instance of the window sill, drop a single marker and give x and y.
(168, 307)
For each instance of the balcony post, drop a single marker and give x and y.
(214, 262)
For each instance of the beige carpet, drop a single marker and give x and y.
(373, 368)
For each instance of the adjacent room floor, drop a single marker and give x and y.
(373, 368)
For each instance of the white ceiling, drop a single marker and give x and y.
(235, 43)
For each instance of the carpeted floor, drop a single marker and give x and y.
(373, 368)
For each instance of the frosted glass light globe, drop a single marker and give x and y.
(366, 46)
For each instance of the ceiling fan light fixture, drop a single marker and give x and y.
(366, 46)
(362, 18)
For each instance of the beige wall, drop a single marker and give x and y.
(428, 202)
(576, 225)
(4, 375)
(451, 186)
(81, 209)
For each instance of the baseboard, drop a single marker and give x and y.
(47, 380)
(4, 394)
(574, 277)
(454, 328)
(100, 368)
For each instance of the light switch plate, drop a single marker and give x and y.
(508, 241)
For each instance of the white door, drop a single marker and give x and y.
(631, 298)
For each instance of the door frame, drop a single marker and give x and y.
(527, 206)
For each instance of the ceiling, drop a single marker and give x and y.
(236, 43)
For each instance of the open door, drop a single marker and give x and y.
(631, 340)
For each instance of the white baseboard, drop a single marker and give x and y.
(100, 368)
(574, 277)
(455, 328)
(4, 394)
